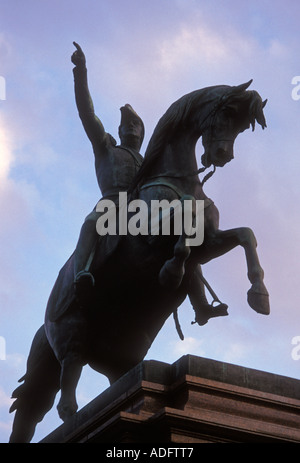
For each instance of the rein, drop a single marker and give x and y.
(173, 174)
(212, 114)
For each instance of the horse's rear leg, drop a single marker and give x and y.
(224, 241)
(71, 368)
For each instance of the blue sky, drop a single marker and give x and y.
(146, 53)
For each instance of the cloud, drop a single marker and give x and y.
(5, 417)
(19, 202)
(200, 44)
(235, 352)
(16, 361)
(189, 345)
(5, 53)
(160, 68)
(5, 400)
(15, 196)
(6, 151)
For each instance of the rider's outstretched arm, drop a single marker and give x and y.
(91, 123)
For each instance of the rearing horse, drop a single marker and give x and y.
(144, 279)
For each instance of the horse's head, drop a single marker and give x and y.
(217, 113)
(233, 113)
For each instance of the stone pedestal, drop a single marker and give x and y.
(195, 400)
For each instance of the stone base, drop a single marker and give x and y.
(195, 400)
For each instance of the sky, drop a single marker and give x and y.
(147, 53)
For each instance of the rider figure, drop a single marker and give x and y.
(116, 166)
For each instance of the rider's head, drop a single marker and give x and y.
(131, 129)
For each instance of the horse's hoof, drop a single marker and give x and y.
(259, 301)
(66, 410)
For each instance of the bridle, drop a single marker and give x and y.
(212, 115)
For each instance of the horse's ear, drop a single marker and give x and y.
(256, 110)
(241, 88)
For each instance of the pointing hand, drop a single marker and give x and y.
(78, 57)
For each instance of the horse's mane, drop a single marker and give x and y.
(207, 101)
(176, 115)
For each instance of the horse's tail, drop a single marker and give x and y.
(35, 397)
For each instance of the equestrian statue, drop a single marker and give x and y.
(115, 292)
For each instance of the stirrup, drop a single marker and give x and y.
(211, 311)
(84, 278)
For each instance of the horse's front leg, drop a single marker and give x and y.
(223, 241)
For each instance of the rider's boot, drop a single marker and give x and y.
(203, 309)
(84, 281)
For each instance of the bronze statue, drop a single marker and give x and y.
(140, 280)
(116, 166)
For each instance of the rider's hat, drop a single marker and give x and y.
(128, 113)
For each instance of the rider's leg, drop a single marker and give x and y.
(196, 289)
(84, 251)
(196, 292)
